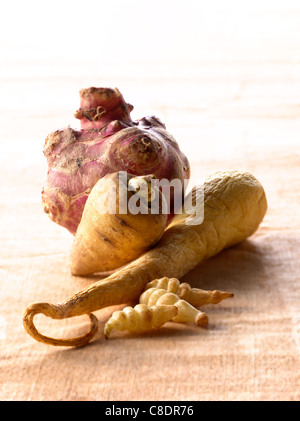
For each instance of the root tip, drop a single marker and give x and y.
(219, 296)
(201, 319)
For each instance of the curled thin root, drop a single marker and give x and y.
(55, 312)
(99, 112)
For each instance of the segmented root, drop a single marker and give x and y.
(195, 296)
(140, 318)
(186, 312)
(55, 312)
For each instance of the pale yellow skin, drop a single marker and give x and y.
(195, 296)
(234, 206)
(106, 241)
(186, 312)
(140, 318)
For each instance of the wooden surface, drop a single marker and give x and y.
(225, 79)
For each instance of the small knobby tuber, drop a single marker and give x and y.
(186, 312)
(234, 206)
(140, 318)
(160, 303)
(195, 296)
(108, 141)
(109, 234)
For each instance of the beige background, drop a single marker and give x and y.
(225, 79)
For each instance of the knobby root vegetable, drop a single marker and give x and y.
(186, 312)
(109, 141)
(234, 206)
(100, 106)
(107, 237)
(140, 318)
(195, 296)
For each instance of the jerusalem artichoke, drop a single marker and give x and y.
(109, 141)
(234, 206)
(100, 106)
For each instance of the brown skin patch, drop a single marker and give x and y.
(122, 222)
(104, 238)
(147, 316)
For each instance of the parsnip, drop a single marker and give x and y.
(107, 237)
(234, 206)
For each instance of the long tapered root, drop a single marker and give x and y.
(55, 312)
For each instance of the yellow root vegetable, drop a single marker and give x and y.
(140, 318)
(54, 311)
(109, 235)
(195, 296)
(234, 206)
(186, 312)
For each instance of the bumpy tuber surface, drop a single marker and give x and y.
(100, 106)
(140, 318)
(195, 296)
(107, 237)
(186, 312)
(108, 141)
(234, 206)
